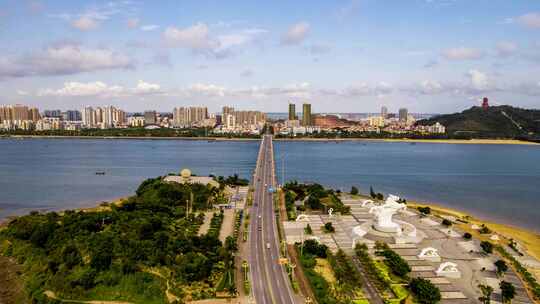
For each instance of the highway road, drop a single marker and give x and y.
(269, 281)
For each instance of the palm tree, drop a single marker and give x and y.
(501, 267)
(507, 291)
(486, 293)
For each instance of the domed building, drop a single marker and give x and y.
(186, 177)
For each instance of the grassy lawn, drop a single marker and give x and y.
(324, 269)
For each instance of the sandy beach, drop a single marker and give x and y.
(527, 238)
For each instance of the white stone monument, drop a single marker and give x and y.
(383, 215)
(429, 254)
(448, 270)
(368, 204)
(302, 218)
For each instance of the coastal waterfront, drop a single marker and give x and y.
(497, 182)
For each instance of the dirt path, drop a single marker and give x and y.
(11, 288)
(227, 227)
(170, 296)
(206, 224)
(52, 295)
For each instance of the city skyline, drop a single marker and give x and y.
(344, 56)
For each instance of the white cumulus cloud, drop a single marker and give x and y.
(195, 37)
(295, 34)
(462, 53)
(199, 39)
(80, 89)
(85, 23)
(63, 59)
(479, 80)
(149, 27)
(101, 90)
(530, 20)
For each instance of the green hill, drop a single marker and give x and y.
(494, 122)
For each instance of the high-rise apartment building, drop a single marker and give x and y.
(403, 113)
(52, 113)
(20, 113)
(14, 113)
(107, 117)
(71, 115)
(34, 114)
(98, 116)
(18, 116)
(150, 117)
(226, 111)
(306, 115)
(88, 117)
(292, 111)
(384, 112)
(246, 119)
(189, 116)
(230, 121)
(6, 113)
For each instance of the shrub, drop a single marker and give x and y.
(507, 291)
(501, 267)
(484, 229)
(308, 229)
(71, 256)
(398, 265)
(446, 222)
(424, 210)
(314, 248)
(425, 291)
(487, 247)
(329, 228)
(354, 190)
(467, 236)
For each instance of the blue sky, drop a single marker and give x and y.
(342, 56)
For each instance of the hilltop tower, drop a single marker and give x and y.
(485, 103)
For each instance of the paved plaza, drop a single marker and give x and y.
(474, 267)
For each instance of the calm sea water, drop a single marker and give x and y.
(37, 174)
(499, 182)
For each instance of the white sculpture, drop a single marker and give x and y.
(368, 203)
(383, 215)
(429, 254)
(449, 270)
(315, 238)
(330, 212)
(302, 217)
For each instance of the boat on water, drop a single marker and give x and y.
(100, 172)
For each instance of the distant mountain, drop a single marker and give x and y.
(500, 121)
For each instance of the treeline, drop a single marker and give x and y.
(346, 289)
(130, 132)
(233, 180)
(313, 196)
(106, 255)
